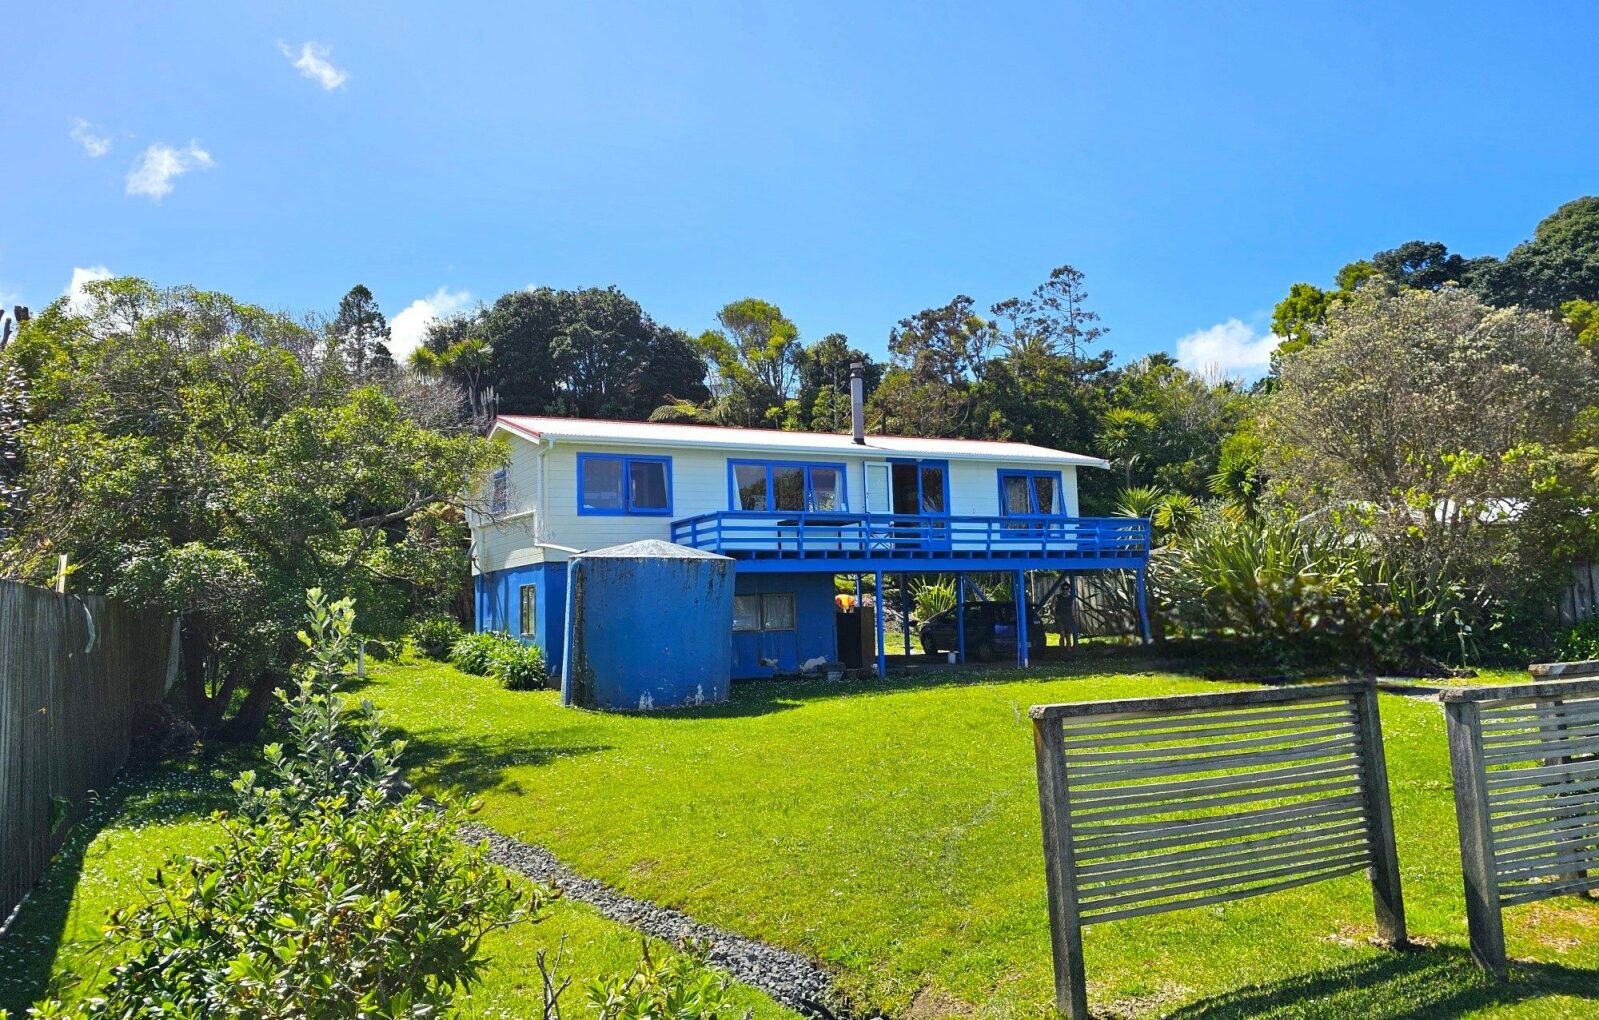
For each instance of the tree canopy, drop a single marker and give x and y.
(188, 451)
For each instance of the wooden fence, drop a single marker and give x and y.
(1525, 760)
(71, 670)
(1158, 804)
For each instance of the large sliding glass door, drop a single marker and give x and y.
(918, 489)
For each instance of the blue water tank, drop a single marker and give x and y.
(648, 625)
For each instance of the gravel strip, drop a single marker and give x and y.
(794, 980)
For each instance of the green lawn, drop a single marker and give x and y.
(891, 830)
(155, 812)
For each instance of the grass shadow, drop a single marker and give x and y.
(471, 763)
(1437, 983)
(142, 796)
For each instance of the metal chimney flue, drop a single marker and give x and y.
(857, 403)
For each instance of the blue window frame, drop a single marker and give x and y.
(797, 486)
(611, 484)
(1031, 493)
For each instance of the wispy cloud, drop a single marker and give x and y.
(1228, 348)
(311, 59)
(87, 135)
(161, 164)
(407, 329)
(78, 299)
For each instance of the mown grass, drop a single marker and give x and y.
(891, 830)
(155, 812)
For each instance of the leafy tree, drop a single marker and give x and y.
(938, 355)
(1422, 265)
(1191, 417)
(588, 353)
(1298, 318)
(1417, 411)
(13, 419)
(191, 452)
(1125, 435)
(360, 333)
(1055, 321)
(824, 396)
(1559, 264)
(757, 357)
(1583, 316)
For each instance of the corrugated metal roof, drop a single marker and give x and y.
(594, 430)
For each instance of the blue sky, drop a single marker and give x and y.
(851, 162)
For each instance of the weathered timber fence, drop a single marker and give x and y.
(71, 670)
(1525, 760)
(1157, 804)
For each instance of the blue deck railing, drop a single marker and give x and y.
(822, 538)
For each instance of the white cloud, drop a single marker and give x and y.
(154, 172)
(407, 329)
(312, 62)
(94, 145)
(1228, 348)
(77, 299)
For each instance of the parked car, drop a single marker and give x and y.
(990, 631)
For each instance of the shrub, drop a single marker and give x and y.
(679, 987)
(471, 654)
(933, 598)
(435, 636)
(1311, 591)
(324, 899)
(1580, 642)
(518, 667)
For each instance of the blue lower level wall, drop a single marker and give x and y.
(756, 653)
(814, 635)
(499, 606)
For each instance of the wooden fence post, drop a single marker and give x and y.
(1065, 928)
(1476, 835)
(1387, 894)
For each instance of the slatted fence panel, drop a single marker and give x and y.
(1161, 804)
(71, 670)
(1526, 768)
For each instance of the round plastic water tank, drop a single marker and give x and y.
(648, 625)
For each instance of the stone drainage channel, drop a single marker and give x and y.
(793, 980)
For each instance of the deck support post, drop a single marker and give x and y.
(877, 607)
(905, 612)
(960, 618)
(1020, 602)
(1143, 607)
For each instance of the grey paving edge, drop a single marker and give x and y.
(794, 980)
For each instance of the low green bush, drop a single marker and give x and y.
(471, 654)
(518, 667)
(435, 636)
(1580, 642)
(680, 987)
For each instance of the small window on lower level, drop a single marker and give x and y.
(763, 612)
(530, 610)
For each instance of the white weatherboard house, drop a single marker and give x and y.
(794, 509)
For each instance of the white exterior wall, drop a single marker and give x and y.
(699, 486)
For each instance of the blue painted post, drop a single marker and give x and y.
(960, 618)
(877, 606)
(1020, 590)
(905, 611)
(1143, 607)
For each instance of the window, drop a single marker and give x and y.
(763, 612)
(530, 605)
(1030, 492)
(616, 484)
(780, 485)
(500, 492)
